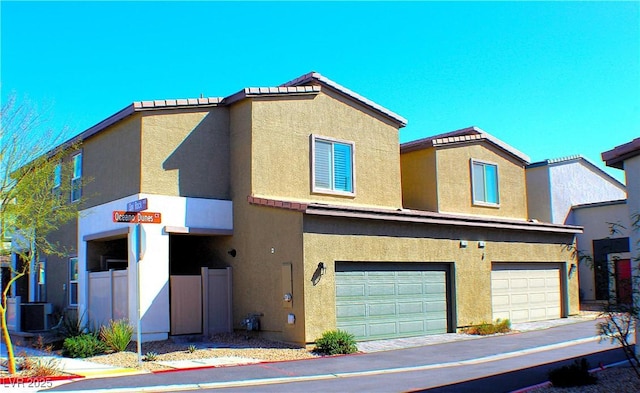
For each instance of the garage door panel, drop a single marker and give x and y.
(406, 308)
(351, 311)
(398, 303)
(381, 289)
(345, 290)
(525, 292)
(410, 289)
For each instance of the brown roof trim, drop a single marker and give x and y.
(616, 156)
(416, 216)
(297, 206)
(315, 77)
(463, 135)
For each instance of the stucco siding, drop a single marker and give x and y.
(539, 193)
(186, 153)
(575, 183)
(454, 181)
(281, 150)
(265, 239)
(330, 240)
(111, 160)
(419, 185)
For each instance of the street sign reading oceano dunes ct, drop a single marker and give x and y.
(137, 218)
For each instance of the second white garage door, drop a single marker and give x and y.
(526, 292)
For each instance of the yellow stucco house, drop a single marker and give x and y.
(317, 217)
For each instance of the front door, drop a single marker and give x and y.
(623, 281)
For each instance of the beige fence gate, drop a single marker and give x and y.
(108, 296)
(201, 304)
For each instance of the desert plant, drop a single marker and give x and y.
(83, 346)
(70, 325)
(38, 367)
(116, 335)
(150, 357)
(576, 374)
(486, 328)
(192, 348)
(336, 342)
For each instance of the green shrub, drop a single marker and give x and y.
(485, 328)
(192, 348)
(576, 374)
(116, 335)
(150, 357)
(336, 342)
(83, 346)
(71, 325)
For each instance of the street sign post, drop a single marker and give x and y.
(135, 214)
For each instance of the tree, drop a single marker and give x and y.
(33, 169)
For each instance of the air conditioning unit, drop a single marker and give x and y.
(35, 317)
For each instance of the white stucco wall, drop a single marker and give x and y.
(596, 222)
(154, 265)
(577, 182)
(632, 174)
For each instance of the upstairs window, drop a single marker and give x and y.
(57, 180)
(332, 166)
(76, 180)
(484, 180)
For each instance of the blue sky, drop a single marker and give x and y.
(551, 79)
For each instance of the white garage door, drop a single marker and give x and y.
(525, 292)
(388, 300)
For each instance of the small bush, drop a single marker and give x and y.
(485, 328)
(39, 367)
(116, 335)
(576, 374)
(150, 357)
(83, 346)
(192, 348)
(336, 342)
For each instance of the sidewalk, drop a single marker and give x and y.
(87, 370)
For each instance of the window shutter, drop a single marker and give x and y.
(343, 170)
(322, 164)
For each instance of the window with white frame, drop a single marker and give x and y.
(484, 179)
(333, 166)
(76, 179)
(41, 278)
(57, 180)
(73, 281)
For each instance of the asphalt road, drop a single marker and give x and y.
(492, 364)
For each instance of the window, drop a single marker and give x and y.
(57, 180)
(73, 281)
(333, 166)
(41, 276)
(76, 180)
(484, 179)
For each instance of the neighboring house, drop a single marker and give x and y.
(627, 157)
(572, 190)
(284, 206)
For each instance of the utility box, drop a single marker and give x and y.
(35, 317)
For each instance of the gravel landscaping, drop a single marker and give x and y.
(218, 346)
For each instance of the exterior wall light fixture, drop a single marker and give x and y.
(232, 252)
(572, 270)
